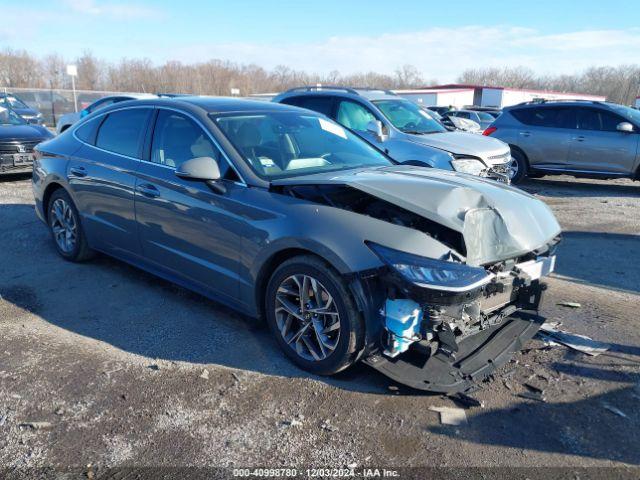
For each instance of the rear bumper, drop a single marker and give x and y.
(478, 356)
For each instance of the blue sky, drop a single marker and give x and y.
(440, 38)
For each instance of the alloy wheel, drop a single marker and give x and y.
(307, 317)
(514, 168)
(64, 225)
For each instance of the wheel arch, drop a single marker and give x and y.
(49, 190)
(269, 266)
(522, 152)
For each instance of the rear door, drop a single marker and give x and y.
(187, 230)
(545, 135)
(597, 145)
(102, 178)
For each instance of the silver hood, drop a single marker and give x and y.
(497, 221)
(491, 150)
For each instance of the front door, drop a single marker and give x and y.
(597, 145)
(187, 230)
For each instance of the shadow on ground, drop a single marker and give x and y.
(112, 302)
(585, 428)
(556, 187)
(600, 259)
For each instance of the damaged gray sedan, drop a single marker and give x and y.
(431, 277)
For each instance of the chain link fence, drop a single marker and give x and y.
(53, 103)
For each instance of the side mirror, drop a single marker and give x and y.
(204, 169)
(625, 127)
(375, 127)
(84, 112)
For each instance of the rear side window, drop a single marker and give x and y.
(87, 132)
(316, 103)
(122, 132)
(551, 117)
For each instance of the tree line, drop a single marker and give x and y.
(20, 68)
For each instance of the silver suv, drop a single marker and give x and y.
(404, 131)
(579, 138)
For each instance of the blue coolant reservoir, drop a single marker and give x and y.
(403, 318)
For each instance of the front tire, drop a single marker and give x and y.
(313, 315)
(65, 227)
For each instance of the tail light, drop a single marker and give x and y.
(489, 131)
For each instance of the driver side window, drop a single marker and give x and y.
(354, 116)
(177, 139)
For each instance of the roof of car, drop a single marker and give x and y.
(229, 104)
(338, 91)
(557, 103)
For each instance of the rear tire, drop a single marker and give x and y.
(321, 343)
(520, 165)
(65, 227)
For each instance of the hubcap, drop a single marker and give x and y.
(307, 317)
(63, 225)
(514, 168)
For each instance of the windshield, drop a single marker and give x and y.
(408, 117)
(13, 102)
(288, 144)
(486, 117)
(628, 113)
(9, 117)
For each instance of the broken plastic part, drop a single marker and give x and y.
(478, 356)
(403, 320)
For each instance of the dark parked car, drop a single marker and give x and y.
(31, 115)
(432, 277)
(579, 138)
(17, 140)
(51, 104)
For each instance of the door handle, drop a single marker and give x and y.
(525, 134)
(78, 171)
(148, 190)
(579, 138)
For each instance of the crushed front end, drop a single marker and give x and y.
(446, 325)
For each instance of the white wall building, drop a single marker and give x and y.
(434, 97)
(504, 97)
(461, 95)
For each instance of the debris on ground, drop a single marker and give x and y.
(291, 423)
(533, 387)
(581, 343)
(528, 394)
(205, 374)
(36, 425)
(450, 415)
(466, 401)
(569, 304)
(614, 410)
(326, 425)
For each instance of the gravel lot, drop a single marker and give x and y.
(128, 370)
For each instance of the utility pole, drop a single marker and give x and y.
(72, 71)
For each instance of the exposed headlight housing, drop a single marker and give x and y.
(468, 165)
(430, 273)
